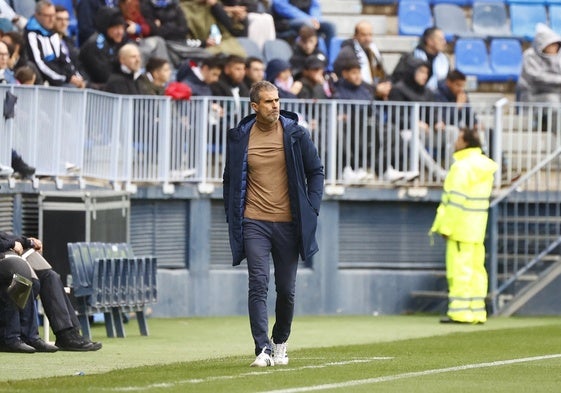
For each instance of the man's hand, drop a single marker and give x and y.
(77, 81)
(18, 248)
(37, 244)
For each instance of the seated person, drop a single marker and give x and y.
(209, 23)
(253, 19)
(200, 76)
(290, 15)
(156, 77)
(314, 84)
(56, 303)
(167, 20)
(6, 74)
(19, 56)
(230, 83)
(278, 72)
(126, 78)
(86, 11)
(305, 46)
(44, 47)
(99, 53)
(254, 71)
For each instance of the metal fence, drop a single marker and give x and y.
(136, 139)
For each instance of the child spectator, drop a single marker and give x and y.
(25, 75)
(278, 72)
(306, 45)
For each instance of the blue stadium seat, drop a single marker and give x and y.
(451, 19)
(489, 18)
(379, 2)
(525, 17)
(555, 17)
(472, 58)
(461, 3)
(251, 48)
(539, 2)
(334, 48)
(506, 58)
(276, 49)
(413, 17)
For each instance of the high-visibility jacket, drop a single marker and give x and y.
(463, 210)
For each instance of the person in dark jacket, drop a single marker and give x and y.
(99, 53)
(201, 76)
(126, 78)
(44, 48)
(314, 83)
(273, 186)
(305, 46)
(86, 11)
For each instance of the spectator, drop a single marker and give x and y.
(86, 11)
(19, 57)
(540, 79)
(362, 49)
(413, 88)
(125, 79)
(56, 303)
(19, 19)
(257, 23)
(167, 20)
(314, 84)
(99, 53)
(156, 77)
(290, 15)
(138, 30)
(209, 22)
(200, 77)
(6, 74)
(26, 75)
(45, 49)
(62, 20)
(306, 45)
(230, 83)
(278, 72)
(254, 71)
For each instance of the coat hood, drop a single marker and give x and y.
(544, 37)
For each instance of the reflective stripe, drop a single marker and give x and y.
(470, 209)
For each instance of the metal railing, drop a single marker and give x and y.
(138, 139)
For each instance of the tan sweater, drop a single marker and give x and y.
(267, 183)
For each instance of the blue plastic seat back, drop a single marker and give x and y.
(525, 17)
(555, 17)
(460, 3)
(506, 58)
(276, 49)
(251, 48)
(334, 48)
(472, 57)
(413, 17)
(80, 270)
(451, 19)
(489, 18)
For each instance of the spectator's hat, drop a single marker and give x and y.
(314, 62)
(275, 67)
(107, 17)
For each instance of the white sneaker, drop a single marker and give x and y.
(263, 360)
(411, 175)
(5, 170)
(280, 354)
(393, 175)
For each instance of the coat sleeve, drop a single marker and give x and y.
(288, 11)
(454, 195)
(313, 169)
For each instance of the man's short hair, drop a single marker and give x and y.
(456, 75)
(253, 59)
(428, 33)
(60, 8)
(24, 74)
(306, 32)
(41, 4)
(211, 62)
(471, 137)
(155, 63)
(257, 88)
(234, 59)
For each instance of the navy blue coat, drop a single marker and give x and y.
(305, 183)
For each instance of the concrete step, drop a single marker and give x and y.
(395, 43)
(339, 7)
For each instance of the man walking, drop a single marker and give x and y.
(461, 218)
(273, 186)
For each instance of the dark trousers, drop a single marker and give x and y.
(15, 324)
(261, 239)
(56, 303)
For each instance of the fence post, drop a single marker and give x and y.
(202, 167)
(497, 136)
(331, 187)
(493, 250)
(164, 153)
(415, 118)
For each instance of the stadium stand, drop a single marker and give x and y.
(506, 59)
(489, 18)
(413, 17)
(461, 3)
(451, 19)
(524, 17)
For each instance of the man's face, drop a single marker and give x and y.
(456, 87)
(437, 42)
(131, 59)
(162, 74)
(116, 33)
(353, 76)
(210, 75)
(364, 35)
(309, 45)
(255, 72)
(268, 107)
(62, 20)
(236, 71)
(4, 56)
(46, 17)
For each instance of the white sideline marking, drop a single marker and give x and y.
(412, 374)
(165, 385)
